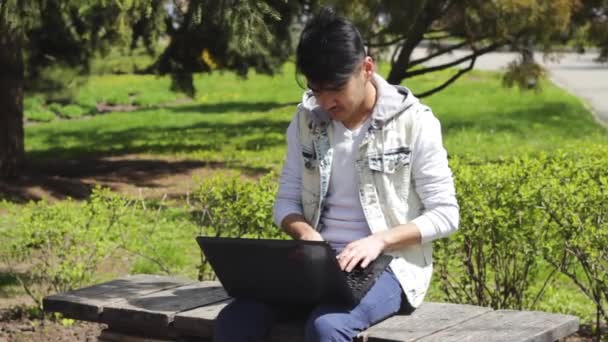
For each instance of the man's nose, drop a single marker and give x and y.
(325, 100)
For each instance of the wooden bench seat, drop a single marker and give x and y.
(147, 308)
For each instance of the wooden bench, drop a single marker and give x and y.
(148, 308)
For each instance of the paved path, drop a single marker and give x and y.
(578, 74)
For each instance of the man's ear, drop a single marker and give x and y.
(369, 67)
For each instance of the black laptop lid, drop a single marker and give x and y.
(275, 270)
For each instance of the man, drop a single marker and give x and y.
(366, 171)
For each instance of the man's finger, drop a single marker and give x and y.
(352, 263)
(343, 261)
(365, 262)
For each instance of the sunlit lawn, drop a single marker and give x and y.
(242, 121)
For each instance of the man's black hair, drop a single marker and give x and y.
(330, 49)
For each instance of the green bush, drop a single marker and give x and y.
(68, 111)
(34, 110)
(40, 115)
(493, 258)
(161, 240)
(33, 102)
(233, 207)
(575, 198)
(73, 111)
(64, 244)
(519, 214)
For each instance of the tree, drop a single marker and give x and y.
(592, 19)
(40, 33)
(205, 34)
(477, 25)
(235, 35)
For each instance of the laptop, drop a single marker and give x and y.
(287, 271)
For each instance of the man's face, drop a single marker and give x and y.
(343, 102)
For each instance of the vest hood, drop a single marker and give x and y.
(391, 100)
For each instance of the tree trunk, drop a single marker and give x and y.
(12, 152)
(415, 35)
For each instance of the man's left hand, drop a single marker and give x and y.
(362, 251)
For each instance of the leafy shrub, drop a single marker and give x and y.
(40, 114)
(519, 212)
(34, 110)
(230, 206)
(69, 111)
(73, 111)
(493, 258)
(63, 243)
(575, 198)
(160, 239)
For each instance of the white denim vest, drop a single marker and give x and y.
(386, 192)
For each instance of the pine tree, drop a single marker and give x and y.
(226, 34)
(205, 35)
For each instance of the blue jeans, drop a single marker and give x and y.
(250, 320)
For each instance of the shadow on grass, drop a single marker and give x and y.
(59, 179)
(9, 282)
(70, 160)
(8, 279)
(250, 135)
(231, 107)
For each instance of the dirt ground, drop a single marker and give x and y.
(139, 175)
(149, 177)
(25, 330)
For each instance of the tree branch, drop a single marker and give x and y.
(437, 53)
(376, 34)
(450, 80)
(389, 43)
(474, 55)
(438, 37)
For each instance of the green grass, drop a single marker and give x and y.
(480, 117)
(241, 122)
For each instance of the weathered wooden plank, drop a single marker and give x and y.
(512, 326)
(426, 320)
(429, 318)
(87, 303)
(154, 312)
(199, 321)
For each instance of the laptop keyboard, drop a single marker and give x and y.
(358, 277)
(360, 280)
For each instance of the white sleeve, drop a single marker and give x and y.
(288, 199)
(433, 182)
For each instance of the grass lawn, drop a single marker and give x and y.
(242, 122)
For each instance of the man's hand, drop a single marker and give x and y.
(362, 251)
(311, 235)
(296, 226)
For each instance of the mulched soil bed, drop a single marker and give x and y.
(15, 327)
